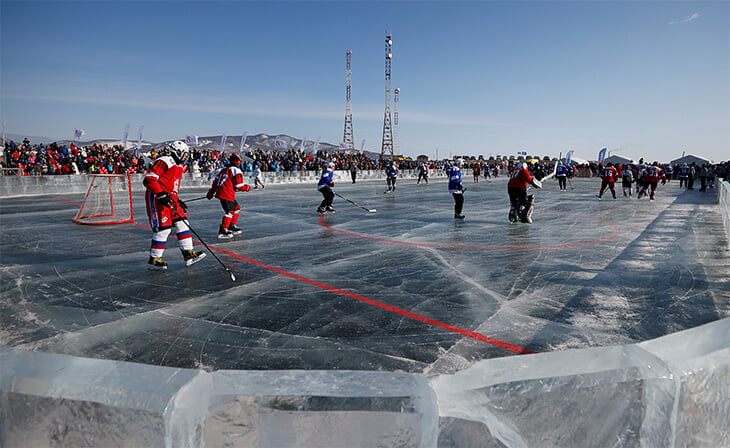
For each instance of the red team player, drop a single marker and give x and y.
(165, 210)
(227, 182)
(521, 205)
(608, 176)
(652, 174)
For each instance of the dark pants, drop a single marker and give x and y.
(353, 174)
(562, 182)
(517, 197)
(328, 195)
(458, 202)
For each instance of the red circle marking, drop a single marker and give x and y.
(616, 232)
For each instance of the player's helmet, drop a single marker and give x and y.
(234, 159)
(331, 164)
(520, 165)
(459, 162)
(178, 151)
(609, 164)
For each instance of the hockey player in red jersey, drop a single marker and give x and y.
(521, 205)
(652, 174)
(608, 176)
(165, 210)
(226, 183)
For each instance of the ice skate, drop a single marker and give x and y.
(156, 264)
(459, 216)
(329, 209)
(235, 229)
(321, 210)
(192, 256)
(513, 214)
(224, 233)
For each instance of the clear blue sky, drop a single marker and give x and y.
(645, 79)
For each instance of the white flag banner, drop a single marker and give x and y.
(124, 137)
(569, 156)
(362, 145)
(78, 133)
(243, 141)
(602, 155)
(316, 145)
(191, 140)
(279, 144)
(139, 141)
(304, 142)
(223, 142)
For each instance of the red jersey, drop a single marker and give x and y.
(165, 175)
(653, 174)
(227, 182)
(519, 179)
(609, 174)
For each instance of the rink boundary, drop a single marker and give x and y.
(723, 200)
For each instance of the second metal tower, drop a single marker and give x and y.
(348, 139)
(387, 126)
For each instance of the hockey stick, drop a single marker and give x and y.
(369, 210)
(196, 199)
(555, 170)
(233, 277)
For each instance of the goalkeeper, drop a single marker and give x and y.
(226, 183)
(165, 210)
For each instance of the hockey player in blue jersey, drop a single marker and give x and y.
(561, 174)
(422, 173)
(456, 189)
(391, 174)
(325, 185)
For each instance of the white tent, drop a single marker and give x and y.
(689, 158)
(574, 160)
(616, 158)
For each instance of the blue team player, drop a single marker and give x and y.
(391, 173)
(561, 174)
(456, 189)
(326, 182)
(422, 173)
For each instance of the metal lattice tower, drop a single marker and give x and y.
(349, 138)
(396, 140)
(387, 126)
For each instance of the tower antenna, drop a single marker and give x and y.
(387, 126)
(349, 138)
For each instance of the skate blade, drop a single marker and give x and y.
(156, 268)
(192, 261)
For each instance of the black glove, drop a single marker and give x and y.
(164, 199)
(182, 205)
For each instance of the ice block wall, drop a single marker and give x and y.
(671, 391)
(723, 199)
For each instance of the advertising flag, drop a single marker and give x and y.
(568, 156)
(362, 145)
(316, 145)
(343, 146)
(223, 141)
(125, 136)
(304, 142)
(191, 140)
(139, 141)
(279, 144)
(602, 155)
(243, 141)
(78, 133)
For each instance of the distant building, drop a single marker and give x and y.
(689, 158)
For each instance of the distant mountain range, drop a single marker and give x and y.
(212, 143)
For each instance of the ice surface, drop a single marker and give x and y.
(399, 293)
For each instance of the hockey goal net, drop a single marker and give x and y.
(108, 201)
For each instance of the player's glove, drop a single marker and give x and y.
(164, 199)
(210, 194)
(183, 205)
(246, 187)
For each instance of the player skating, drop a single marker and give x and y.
(561, 174)
(165, 210)
(476, 171)
(257, 177)
(227, 182)
(652, 174)
(521, 205)
(608, 177)
(422, 173)
(325, 185)
(627, 179)
(391, 174)
(456, 189)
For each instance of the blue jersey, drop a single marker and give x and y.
(392, 171)
(422, 169)
(326, 180)
(561, 171)
(454, 179)
(683, 171)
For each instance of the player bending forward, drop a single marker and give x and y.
(325, 185)
(652, 174)
(165, 210)
(227, 182)
(521, 205)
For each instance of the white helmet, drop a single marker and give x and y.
(459, 162)
(521, 165)
(331, 164)
(178, 151)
